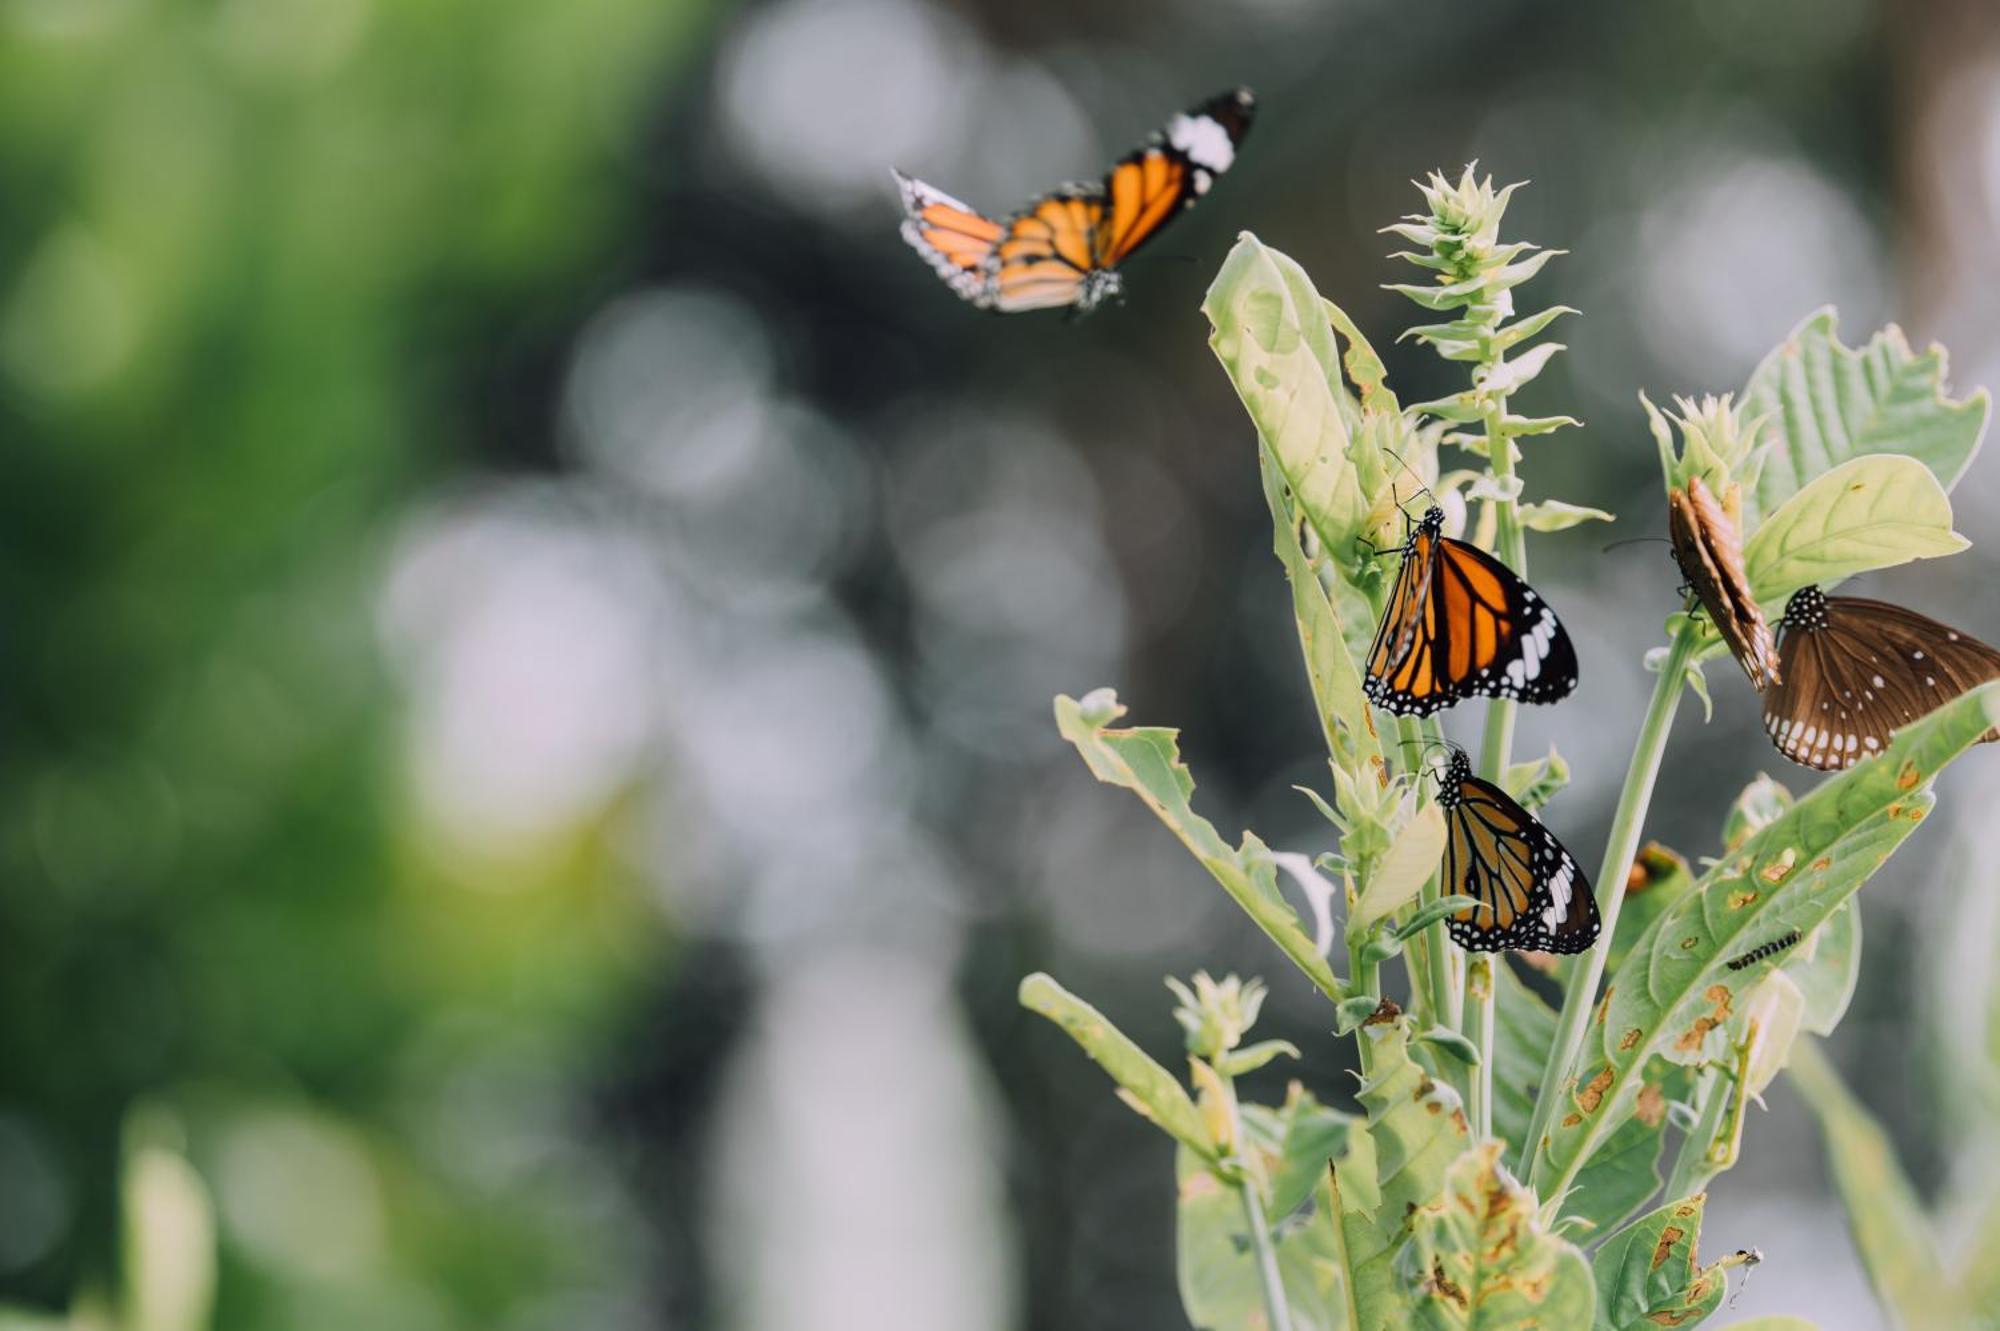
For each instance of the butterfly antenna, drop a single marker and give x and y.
(1634, 540)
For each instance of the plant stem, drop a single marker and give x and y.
(1580, 988)
(1691, 1169)
(1238, 1175)
(1276, 1308)
(1424, 957)
(1496, 751)
(1479, 988)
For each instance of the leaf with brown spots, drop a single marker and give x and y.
(1647, 1275)
(1625, 1173)
(1478, 1258)
(1676, 985)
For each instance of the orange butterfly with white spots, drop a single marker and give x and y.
(1063, 250)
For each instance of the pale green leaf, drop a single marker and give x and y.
(1674, 994)
(1346, 720)
(1478, 1258)
(1217, 1270)
(1536, 782)
(1401, 873)
(1306, 1138)
(1242, 1062)
(1146, 1086)
(1147, 762)
(1364, 367)
(1870, 513)
(1898, 1247)
(1826, 966)
(1648, 1275)
(1825, 404)
(1294, 1145)
(1416, 1128)
(1269, 330)
(1759, 804)
(1555, 515)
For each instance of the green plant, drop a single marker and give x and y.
(1457, 1197)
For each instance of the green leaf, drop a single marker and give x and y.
(1659, 877)
(1220, 1288)
(1873, 512)
(1898, 1247)
(1555, 515)
(1242, 1062)
(1147, 762)
(1826, 967)
(1305, 1138)
(1345, 718)
(1535, 783)
(1401, 873)
(1625, 1172)
(1478, 1258)
(1270, 331)
(1364, 367)
(1761, 803)
(1217, 1268)
(1143, 1084)
(1416, 1128)
(1647, 1275)
(1672, 996)
(1826, 404)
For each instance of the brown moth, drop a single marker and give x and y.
(1710, 553)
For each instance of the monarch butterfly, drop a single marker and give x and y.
(1857, 669)
(1531, 894)
(1756, 954)
(1710, 554)
(1064, 248)
(1459, 623)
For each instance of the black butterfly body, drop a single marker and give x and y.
(1459, 624)
(1532, 894)
(1856, 670)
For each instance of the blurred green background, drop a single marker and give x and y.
(527, 617)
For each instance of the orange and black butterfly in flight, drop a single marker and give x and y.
(1710, 554)
(1856, 669)
(1063, 249)
(1461, 624)
(1531, 894)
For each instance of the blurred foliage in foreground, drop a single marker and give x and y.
(254, 261)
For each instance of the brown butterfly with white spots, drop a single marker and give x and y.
(1856, 670)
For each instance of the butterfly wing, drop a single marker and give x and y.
(1710, 554)
(1531, 893)
(954, 238)
(1148, 187)
(1048, 251)
(1461, 624)
(1500, 638)
(1856, 670)
(1400, 676)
